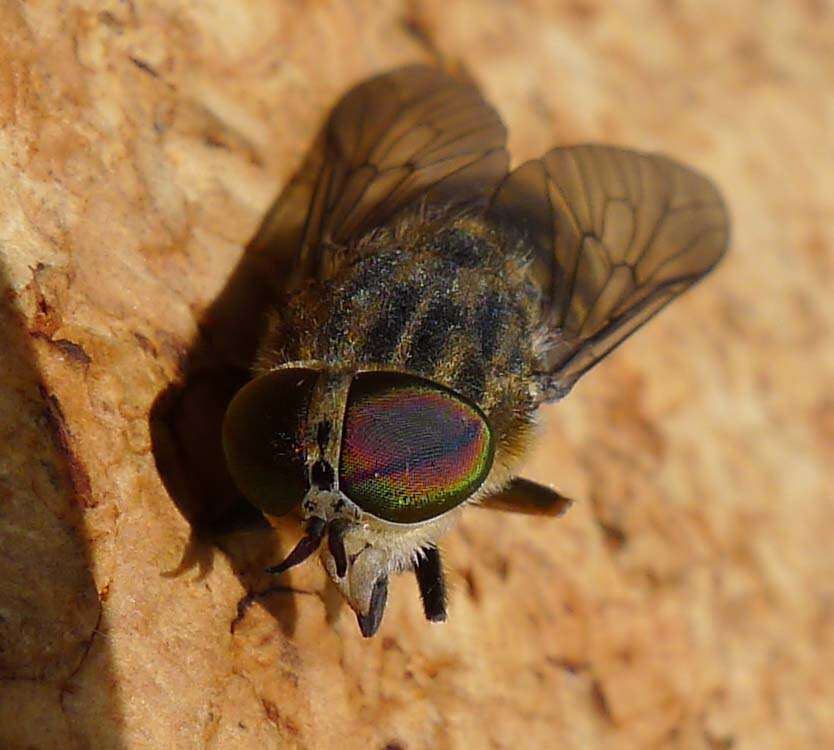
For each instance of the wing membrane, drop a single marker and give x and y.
(414, 134)
(614, 235)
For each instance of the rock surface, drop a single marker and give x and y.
(687, 599)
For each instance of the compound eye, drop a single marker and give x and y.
(411, 449)
(263, 438)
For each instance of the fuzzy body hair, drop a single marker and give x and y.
(442, 297)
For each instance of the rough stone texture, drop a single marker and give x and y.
(686, 601)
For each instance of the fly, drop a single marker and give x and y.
(437, 299)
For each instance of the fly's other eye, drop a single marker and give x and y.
(262, 439)
(411, 449)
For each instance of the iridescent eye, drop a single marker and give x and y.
(262, 439)
(411, 449)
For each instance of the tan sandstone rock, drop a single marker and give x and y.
(687, 599)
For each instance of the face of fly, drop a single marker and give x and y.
(386, 460)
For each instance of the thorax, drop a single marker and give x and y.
(443, 301)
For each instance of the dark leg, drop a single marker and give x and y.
(307, 546)
(369, 623)
(429, 572)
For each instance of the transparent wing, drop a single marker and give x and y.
(414, 134)
(615, 235)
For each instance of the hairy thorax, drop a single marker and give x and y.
(436, 297)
